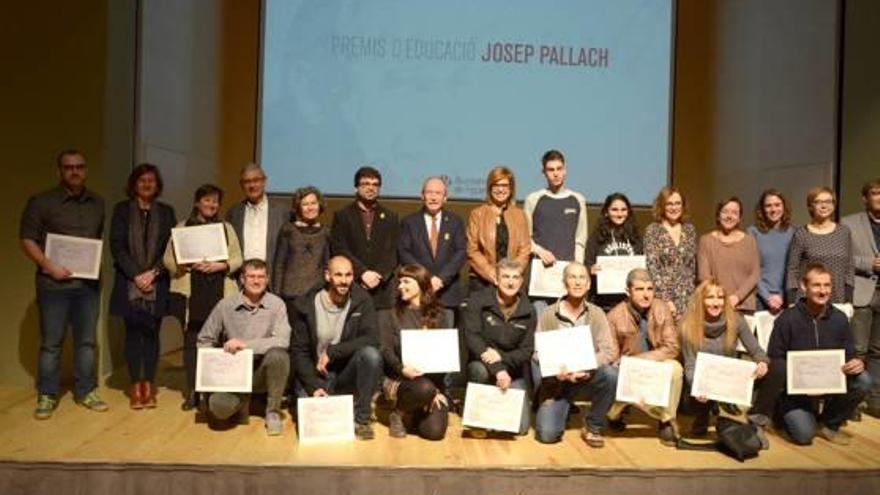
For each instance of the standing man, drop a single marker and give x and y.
(256, 221)
(865, 232)
(252, 319)
(556, 393)
(813, 323)
(336, 342)
(68, 209)
(435, 238)
(557, 217)
(366, 233)
(644, 327)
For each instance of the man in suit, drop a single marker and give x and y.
(865, 231)
(256, 221)
(435, 239)
(366, 233)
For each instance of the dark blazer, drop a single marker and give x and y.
(126, 268)
(278, 217)
(348, 238)
(360, 330)
(415, 247)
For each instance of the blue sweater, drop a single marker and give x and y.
(773, 249)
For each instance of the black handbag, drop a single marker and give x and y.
(738, 440)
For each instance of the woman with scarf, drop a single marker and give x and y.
(139, 231)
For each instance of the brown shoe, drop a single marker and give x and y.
(135, 396)
(149, 392)
(396, 428)
(592, 438)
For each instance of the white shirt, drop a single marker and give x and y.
(428, 218)
(256, 226)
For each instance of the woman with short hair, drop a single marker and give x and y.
(197, 287)
(139, 231)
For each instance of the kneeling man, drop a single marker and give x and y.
(336, 342)
(257, 320)
(813, 323)
(556, 394)
(644, 327)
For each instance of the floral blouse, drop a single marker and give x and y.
(672, 267)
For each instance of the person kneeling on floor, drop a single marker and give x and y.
(251, 319)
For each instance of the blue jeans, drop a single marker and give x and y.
(478, 373)
(58, 308)
(553, 409)
(359, 375)
(799, 412)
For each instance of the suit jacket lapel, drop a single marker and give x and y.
(868, 231)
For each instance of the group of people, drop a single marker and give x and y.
(322, 307)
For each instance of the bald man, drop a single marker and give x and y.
(335, 346)
(435, 238)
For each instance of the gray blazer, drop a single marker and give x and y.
(278, 216)
(864, 251)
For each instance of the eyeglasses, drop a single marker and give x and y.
(823, 202)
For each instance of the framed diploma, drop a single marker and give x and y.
(221, 371)
(200, 243)
(724, 379)
(546, 281)
(80, 255)
(489, 407)
(643, 380)
(325, 419)
(762, 324)
(815, 372)
(847, 309)
(430, 351)
(568, 349)
(611, 279)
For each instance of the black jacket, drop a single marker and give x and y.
(126, 268)
(348, 237)
(484, 326)
(796, 330)
(360, 330)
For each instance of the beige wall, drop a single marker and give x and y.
(755, 100)
(66, 83)
(860, 136)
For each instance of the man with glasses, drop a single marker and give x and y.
(366, 233)
(67, 209)
(256, 221)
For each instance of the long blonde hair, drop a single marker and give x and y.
(693, 321)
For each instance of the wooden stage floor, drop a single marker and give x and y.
(168, 436)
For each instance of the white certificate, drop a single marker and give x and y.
(762, 324)
(546, 281)
(325, 419)
(847, 309)
(568, 349)
(644, 380)
(611, 278)
(200, 243)
(489, 407)
(724, 379)
(815, 372)
(430, 351)
(221, 371)
(80, 255)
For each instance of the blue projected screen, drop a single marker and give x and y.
(451, 88)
